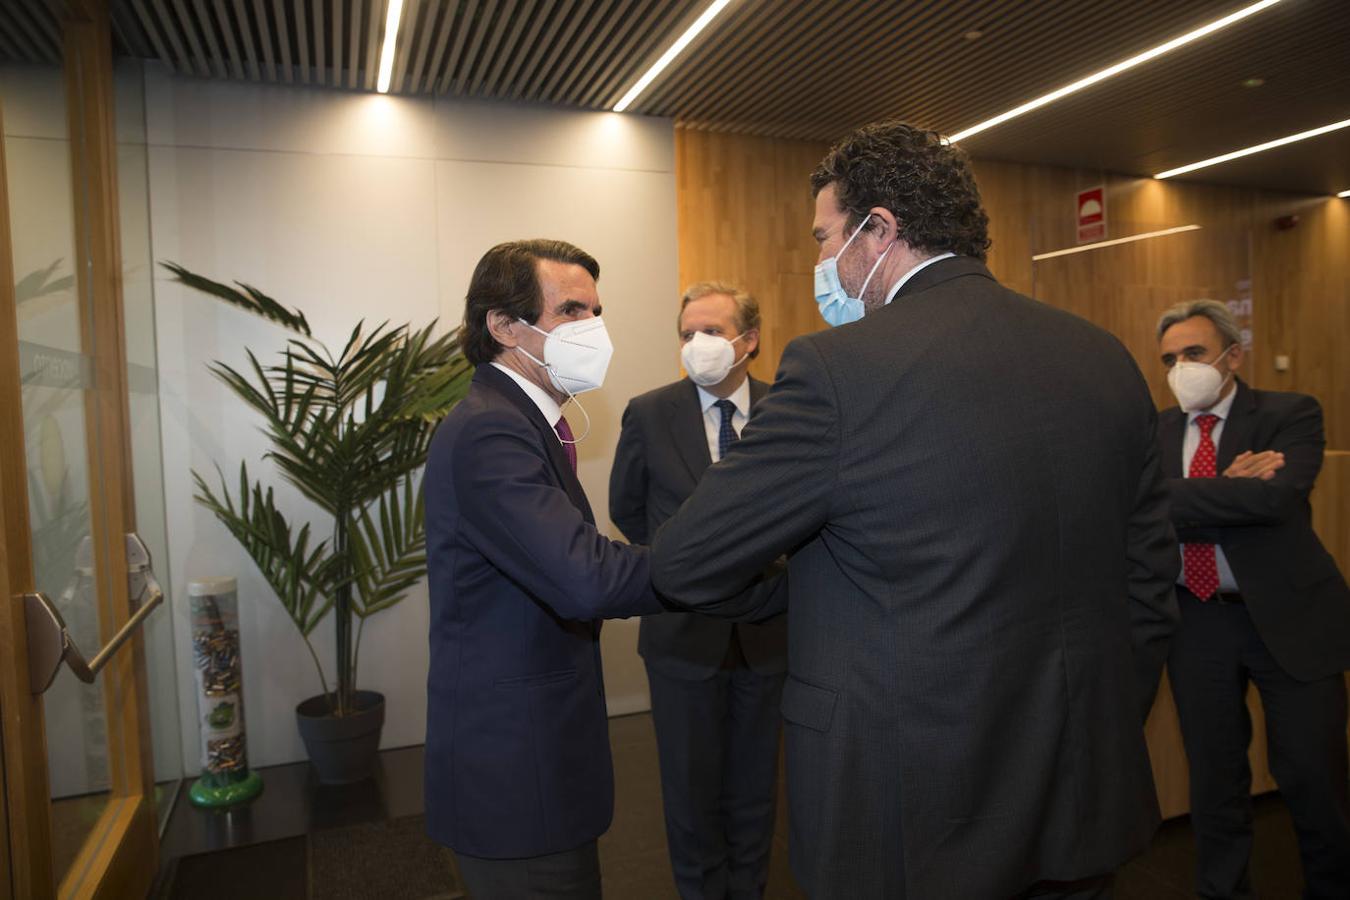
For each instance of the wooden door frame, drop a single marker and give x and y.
(121, 858)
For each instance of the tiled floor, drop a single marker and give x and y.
(632, 854)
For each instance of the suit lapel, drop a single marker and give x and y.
(1172, 436)
(1237, 431)
(686, 429)
(503, 385)
(757, 391)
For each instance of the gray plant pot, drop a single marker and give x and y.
(342, 749)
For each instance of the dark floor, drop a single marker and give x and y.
(301, 841)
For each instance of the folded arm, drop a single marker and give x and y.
(1218, 502)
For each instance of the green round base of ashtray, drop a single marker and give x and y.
(213, 792)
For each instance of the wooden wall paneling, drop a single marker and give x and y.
(744, 211)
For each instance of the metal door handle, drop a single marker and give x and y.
(50, 643)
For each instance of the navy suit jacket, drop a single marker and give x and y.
(662, 454)
(517, 753)
(1297, 597)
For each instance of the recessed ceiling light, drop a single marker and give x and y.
(1111, 243)
(1253, 82)
(973, 34)
(1248, 151)
(669, 56)
(1116, 69)
(391, 21)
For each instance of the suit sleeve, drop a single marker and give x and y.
(1153, 564)
(527, 526)
(1218, 502)
(628, 481)
(769, 495)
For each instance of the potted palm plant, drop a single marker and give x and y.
(350, 431)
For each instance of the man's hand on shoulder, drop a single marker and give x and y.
(1262, 465)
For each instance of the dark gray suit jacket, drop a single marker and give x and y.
(1293, 590)
(980, 590)
(662, 454)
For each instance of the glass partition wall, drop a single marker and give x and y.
(69, 219)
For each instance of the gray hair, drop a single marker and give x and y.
(1216, 312)
(747, 307)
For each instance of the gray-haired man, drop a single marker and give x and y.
(715, 686)
(1261, 601)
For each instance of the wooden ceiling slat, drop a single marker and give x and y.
(432, 76)
(321, 74)
(570, 58)
(246, 39)
(530, 49)
(354, 43)
(417, 70)
(612, 36)
(302, 41)
(581, 10)
(266, 59)
(228, 36)
(45, 22)
(733, 67)
(512, 48)
(188, 25)
(174, 36)
(15, 48)
(638, 37)
(285, 68)
(339, 45)
(209, 32)
(151, 29)
(45, 49)
(468, 45)
(486, 52)
(374, 25)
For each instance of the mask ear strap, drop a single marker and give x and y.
(572, 398)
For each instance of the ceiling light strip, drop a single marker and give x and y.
(391, 22)
(1124, 240)
(675, 50)
(1268, 145)
(1344, 194)
(1116, 69)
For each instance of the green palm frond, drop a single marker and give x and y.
(294, 570)
(249, 298)
(350, 431)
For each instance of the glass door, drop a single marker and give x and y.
(83, 625)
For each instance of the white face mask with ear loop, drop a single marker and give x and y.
(576, 357)
(709, 358)
(1197, 385)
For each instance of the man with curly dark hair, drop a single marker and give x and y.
(981, 565)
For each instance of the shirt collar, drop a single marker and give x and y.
(740, 397)
(895, 289)
(1220, 409)
(547, 405)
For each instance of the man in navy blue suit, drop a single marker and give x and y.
(519, 781)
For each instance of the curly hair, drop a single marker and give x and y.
(507, 279)
(925, 181)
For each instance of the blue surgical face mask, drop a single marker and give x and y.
(836, 306)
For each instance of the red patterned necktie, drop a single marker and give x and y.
(569, 444)
(1202, 569)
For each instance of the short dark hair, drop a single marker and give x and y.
(507, 278)
(925, 181)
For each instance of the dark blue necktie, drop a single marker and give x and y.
(726, 435)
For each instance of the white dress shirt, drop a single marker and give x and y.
(547, 405)
(1227, 583)
(712, 416)
(895, 288)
